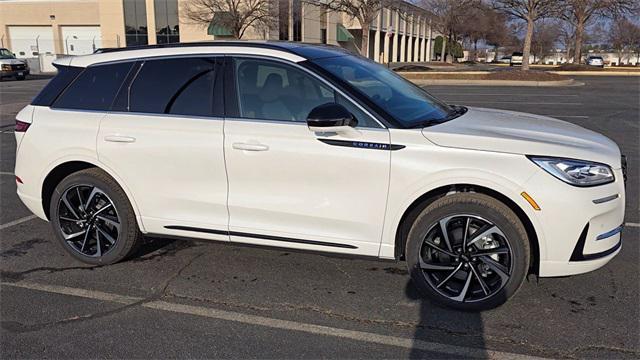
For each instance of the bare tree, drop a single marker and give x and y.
(235, 15)
(529, 11)
(580, 13)
(483, 23)
(624, 35)
(545, 36)
(448, 14)
(365, 11)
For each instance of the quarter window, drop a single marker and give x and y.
(95, 88)
(183, 86)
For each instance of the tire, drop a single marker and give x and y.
(86, 226)
(491, 268)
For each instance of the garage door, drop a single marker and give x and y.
(30, 41)
(80, 40)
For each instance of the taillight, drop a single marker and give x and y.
(22, 126)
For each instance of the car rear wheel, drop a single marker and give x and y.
(93, 219)
(468, 251)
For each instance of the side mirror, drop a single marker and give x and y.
(331, 117)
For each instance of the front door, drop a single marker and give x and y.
(289, 186)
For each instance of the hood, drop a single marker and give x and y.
(526, 134)
(11, 62)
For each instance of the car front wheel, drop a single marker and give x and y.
(468, 251)
(93, 219)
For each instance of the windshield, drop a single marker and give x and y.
(6, 54)
(408, 104)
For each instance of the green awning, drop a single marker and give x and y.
(216, 28)
(343, 34)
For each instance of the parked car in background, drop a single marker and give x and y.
(12, 67)
(505, 60)
(516, 59)
(314, 148)
(595, 61)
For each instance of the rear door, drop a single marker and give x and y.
(164, 139)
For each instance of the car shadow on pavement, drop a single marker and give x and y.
(456, 330)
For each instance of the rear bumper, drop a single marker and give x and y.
(33, 204)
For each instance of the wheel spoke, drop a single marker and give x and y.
(466, 233)
(426, 266)
(98, 249)
(465, 289)
(484, 231)
(500, 269)
(489, 252)
(437, 248)
(74, 235)
(68, 219)
(84, 242)
(108, 206)
(80, 197)
(445, 234)
(450, 275)
(66, 203)
(109, 238)
(93, 193)
(483, 285)
(109, 221)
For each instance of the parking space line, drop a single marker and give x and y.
(630, 224)
(6, 173)
(511, 94)
(519, 102)
(256, 320)
(16, 222)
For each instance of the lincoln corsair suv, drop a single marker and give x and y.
(314, 148)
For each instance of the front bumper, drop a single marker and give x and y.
(14, 73)
(579, 228)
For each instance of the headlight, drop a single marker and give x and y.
(6, 67)
(576, 172)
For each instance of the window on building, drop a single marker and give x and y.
(283, 19)
(296, 15)
(135, 22)
(95, 88)
(167, 27)
(183, 86)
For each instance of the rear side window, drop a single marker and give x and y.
(66, 74)
(182, 86)
(95, 88)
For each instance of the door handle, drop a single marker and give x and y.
(119, 138)
(250, 147)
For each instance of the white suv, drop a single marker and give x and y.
(306, 147)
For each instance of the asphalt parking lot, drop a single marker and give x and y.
(200, 299)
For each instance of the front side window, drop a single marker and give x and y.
(272, 90)
(181, 86)
(95, 88)
(407, 103)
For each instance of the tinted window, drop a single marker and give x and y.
(95, 88)
(182, 86)
(274, 91)
(408, 104)
(66, 74)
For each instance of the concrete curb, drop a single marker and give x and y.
(597, 73)
(559, 83)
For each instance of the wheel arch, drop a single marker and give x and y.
(414, 209)
(68, 167)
